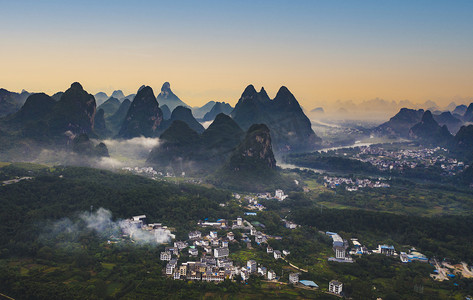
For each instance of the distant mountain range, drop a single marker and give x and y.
(428, 129)
(240, 142)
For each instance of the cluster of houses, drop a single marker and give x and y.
(353, 185)
(214, 263)
(143, 171)
(340, 247)
(278, 195)
(410, 158)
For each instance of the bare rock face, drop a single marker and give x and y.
(144, 116)
(255, 153)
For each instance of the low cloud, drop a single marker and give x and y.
(132, 152)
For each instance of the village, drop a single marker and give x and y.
(205, 254)
(402, 159)
(353, 185)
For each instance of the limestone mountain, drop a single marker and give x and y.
(131, 97)
(219, 107)
(49, 122)
(462, 144)
(255, 153)
(36, 107)
(290, 128)
(110, 106)
(199, 112)
(118, 94)
(460, 109)
(468, 116)
(446, 118)
(184, 114)
(168, 98)
(100, 126)
(75, 112)
(401, 123)
(178, 146)
(251, 166)
(166, 112)
(100, 98)
(143, 117)
(11, 102)
(221, 138)
(184, 149)
(115, 121)
(429, 132)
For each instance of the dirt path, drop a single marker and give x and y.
(295, 267)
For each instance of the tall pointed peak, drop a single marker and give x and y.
(283, 91)
(249, 91)
(166, 87)
(263, 93)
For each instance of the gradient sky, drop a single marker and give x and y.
(211, 50)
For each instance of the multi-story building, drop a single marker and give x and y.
(251, 266)
(221, 252)
(335, 287)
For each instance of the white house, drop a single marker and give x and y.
(221, 252)
(279, 194)
(271, 275)
(165, 255)
(171, 265)
(277, 254)
(335, 287)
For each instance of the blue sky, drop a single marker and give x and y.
(210, 50)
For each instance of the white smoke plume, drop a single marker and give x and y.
(101, 222)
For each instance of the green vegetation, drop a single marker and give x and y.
(37, 264)
(403, 196)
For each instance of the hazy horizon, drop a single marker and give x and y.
(322, 51)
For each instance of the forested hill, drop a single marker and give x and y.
(61, 192)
